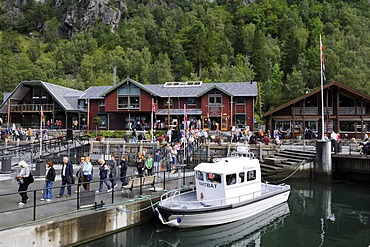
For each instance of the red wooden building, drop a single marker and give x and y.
(129, 104)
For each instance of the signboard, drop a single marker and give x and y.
(214, 111)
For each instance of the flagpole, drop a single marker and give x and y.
(151, 127)
(322, 92)
(185, 135)
(41, 132)
(185, 118)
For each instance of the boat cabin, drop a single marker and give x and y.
(227, 181)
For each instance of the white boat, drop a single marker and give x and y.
(246, 232)
(227, 190)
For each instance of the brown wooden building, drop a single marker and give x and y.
(346, 111)
(23, 106)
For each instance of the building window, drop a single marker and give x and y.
(191, 101)
(128, 97)
(240, 121)
(101, 102)
(166, 103)
(239, 101)
(214, 99)
(282, 125)
(311, 125)
(347, 125)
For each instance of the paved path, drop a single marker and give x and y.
(12, 214)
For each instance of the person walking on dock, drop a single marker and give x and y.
(140, 164)
(156, 161)
(103, 175)
(123, 170)
(149, 165)
(23, 181)
(113, 170)
(48, 194)
(67, 177)
(87, 171)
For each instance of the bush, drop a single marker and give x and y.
(107, 134)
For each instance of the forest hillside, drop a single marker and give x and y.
(275, 42)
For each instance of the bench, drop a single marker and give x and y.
(145, 181)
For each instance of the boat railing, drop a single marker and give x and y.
(175, 202)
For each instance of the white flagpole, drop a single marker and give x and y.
(151, 127)
(185, 135)
(322, 93)
(41, 132)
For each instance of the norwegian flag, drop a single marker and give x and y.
(185, 117)
(322, 59)
(42, 115)
(153, 107)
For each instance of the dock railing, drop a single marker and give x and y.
(81, 200)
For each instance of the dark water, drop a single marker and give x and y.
(316, 214)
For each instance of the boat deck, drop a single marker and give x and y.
(188, 200)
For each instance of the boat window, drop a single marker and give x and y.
(200, 175)
(231, 179)
(251, 175)
(214, 178)
(241, 177)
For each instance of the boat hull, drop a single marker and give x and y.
(209, 216)
(239, 233)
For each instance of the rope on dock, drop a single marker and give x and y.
(281, 180)
(142, 197)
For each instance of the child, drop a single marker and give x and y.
(149, 164)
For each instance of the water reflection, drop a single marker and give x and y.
(319, 214)
(239, 233)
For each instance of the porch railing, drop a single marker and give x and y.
(34, 107)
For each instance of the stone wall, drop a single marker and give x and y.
(80, 227)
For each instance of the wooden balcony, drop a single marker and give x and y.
(351, 111)
(34, 107)
(343, 111)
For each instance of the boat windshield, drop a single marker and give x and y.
(199, 175)
(213, 178)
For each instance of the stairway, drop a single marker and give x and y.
(287, 159)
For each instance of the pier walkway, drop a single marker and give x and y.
(13, 215)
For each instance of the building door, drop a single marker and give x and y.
(224, 123)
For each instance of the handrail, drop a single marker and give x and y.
(57, 211)
(176, 193)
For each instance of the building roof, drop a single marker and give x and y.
(160, 90)
(315, 91)
(95, 92)
(230, 88)
(66, 97)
